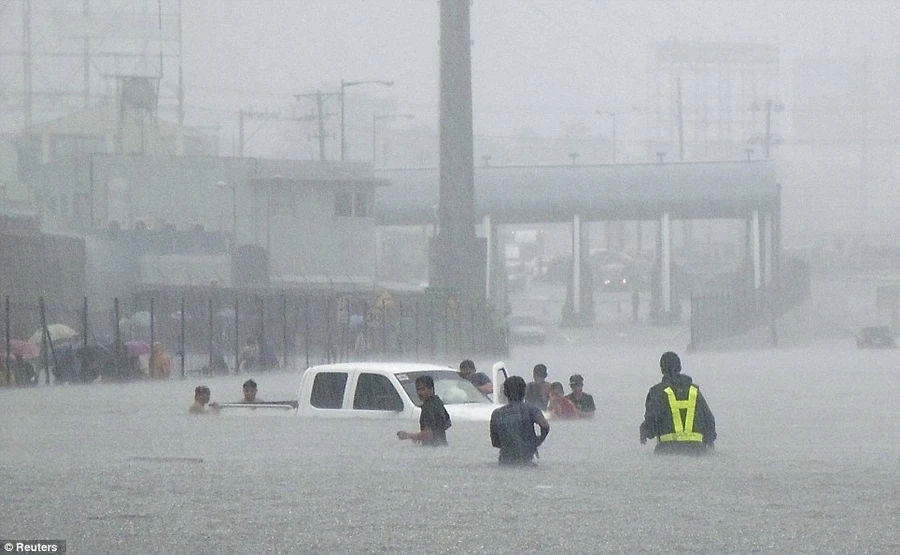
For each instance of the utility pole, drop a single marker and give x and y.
(26, 58)
(864, 148)
(321, 125)
(680, 124)
(86, 11)
(320, 115)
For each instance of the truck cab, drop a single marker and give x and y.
(386, 390)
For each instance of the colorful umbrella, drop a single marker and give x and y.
(24, 349)
(137, 348)
(58, 332)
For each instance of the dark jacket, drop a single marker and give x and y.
(658, 415)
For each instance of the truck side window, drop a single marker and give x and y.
(328, 390)
(376, 392)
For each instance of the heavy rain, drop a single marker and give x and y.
(207, 192)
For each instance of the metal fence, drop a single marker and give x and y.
(728, 313)
(220, 334)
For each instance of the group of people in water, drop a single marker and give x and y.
(675, 412)
(202, 393)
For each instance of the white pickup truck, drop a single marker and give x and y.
(383, 390)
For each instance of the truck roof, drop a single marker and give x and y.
(383, 367)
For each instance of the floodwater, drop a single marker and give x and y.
(807, 461)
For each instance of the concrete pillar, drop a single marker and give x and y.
(665, 264)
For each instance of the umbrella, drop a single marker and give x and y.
(58, 332)
(137, 348)
(17, 347)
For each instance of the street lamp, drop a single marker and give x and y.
(375, 120)
(344, 85)
(233, 187)
(613, 116)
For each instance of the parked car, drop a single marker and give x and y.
(526, 329)
(875, 337)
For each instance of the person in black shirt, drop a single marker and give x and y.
(478, 379)
(690, 427)
(434, 419)
(512, 425)
(583, 402)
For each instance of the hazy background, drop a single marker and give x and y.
(541, 72)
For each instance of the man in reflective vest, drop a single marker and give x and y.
(676, 413)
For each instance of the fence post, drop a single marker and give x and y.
(472, 322)
(183, 346)
(383, 328)
(84, 324)
(118, 333)
(400, 328)
(6, 360)
(284, 349)
(365, 322)
(429, 308)
(209, 368)
(152, 362)
(237, 338)
(344, 308)
(47, 343)
(328, 329)
(262, 328)
(306, 326)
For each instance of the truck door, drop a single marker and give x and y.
(328, 392)
(376, 397)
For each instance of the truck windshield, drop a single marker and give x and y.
(448, 385)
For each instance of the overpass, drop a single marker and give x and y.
(745, 190)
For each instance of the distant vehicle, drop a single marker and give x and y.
(526, 329)
(875, 337)
(376, 390)
(612, 277)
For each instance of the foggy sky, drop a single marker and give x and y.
(538, 65)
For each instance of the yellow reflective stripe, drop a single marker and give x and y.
(680, 426)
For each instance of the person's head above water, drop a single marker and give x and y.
(514, 388)
(669, 363)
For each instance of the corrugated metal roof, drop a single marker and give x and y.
(532, 194)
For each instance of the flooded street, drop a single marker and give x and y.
(806, 462)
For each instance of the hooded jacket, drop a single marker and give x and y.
(658, 415)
